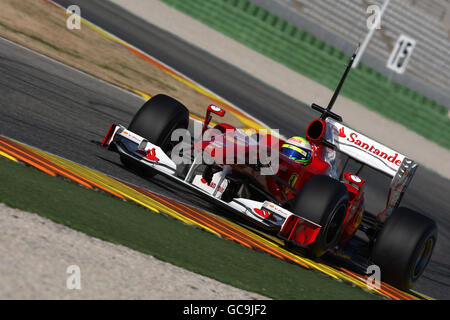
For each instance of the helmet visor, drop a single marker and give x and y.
(296, 153)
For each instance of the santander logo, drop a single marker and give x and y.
(373, 149)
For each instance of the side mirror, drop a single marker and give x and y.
(216, 110)
(212, 109)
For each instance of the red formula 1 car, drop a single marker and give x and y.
(318, 206)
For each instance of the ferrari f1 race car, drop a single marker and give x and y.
(317, 206)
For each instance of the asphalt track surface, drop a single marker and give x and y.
(62, 111)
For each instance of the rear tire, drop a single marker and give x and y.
(404, 247)
(324, 201)
(155, 121)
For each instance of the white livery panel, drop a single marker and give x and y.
(362, 148)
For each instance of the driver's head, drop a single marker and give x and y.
(298, 149)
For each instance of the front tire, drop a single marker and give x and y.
(404, 247)
(324, 201)
(158, 118)
(155, 121)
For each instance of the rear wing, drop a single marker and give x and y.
(363, 149)
(330, 131)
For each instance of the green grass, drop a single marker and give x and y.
(103, 216)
